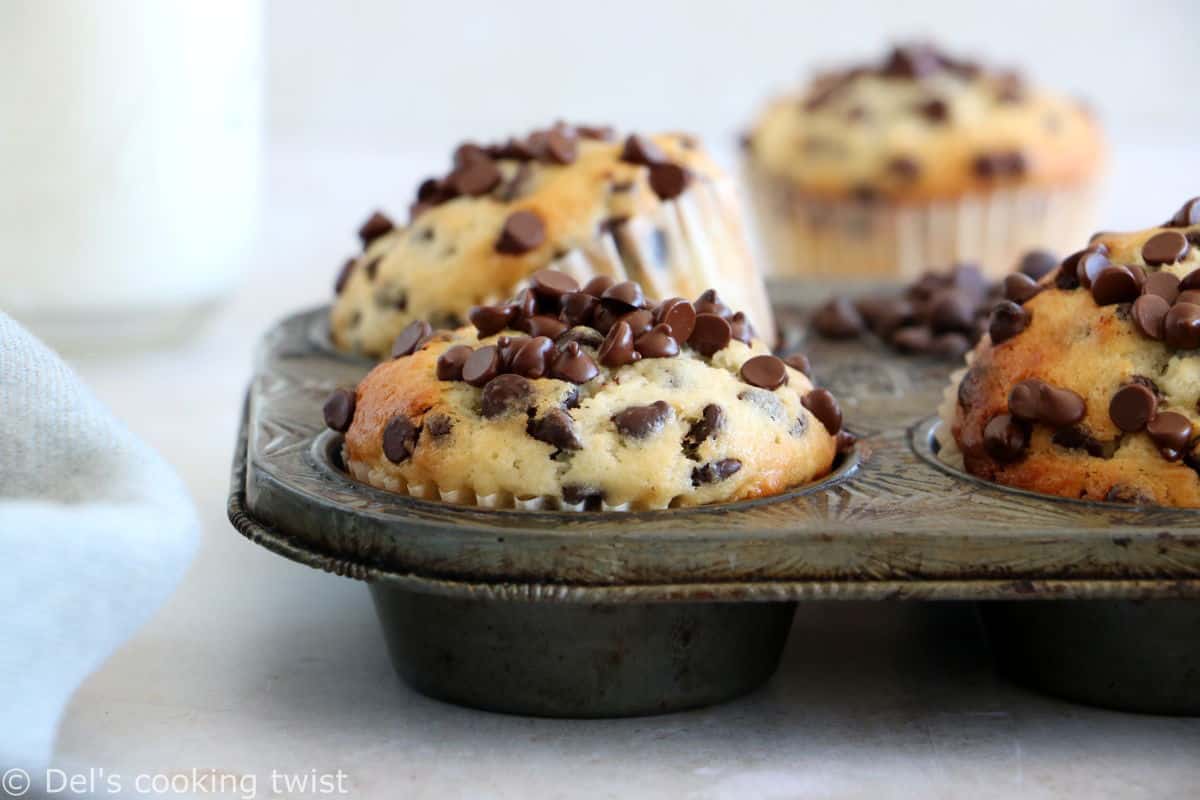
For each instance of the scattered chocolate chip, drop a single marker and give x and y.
(573, 365)
(715, 471)
(1181, 326)
(640, 321)
(824, 406)
(399, 439)
(626, 294)
(1163, 284)
(1038, 263)
(378, 224)
(1007, 320)
(642, 150)
(904, 168)
(949, 345)
(1149, 314)
(1034, 400)
(343, 277)
(711, 334)
(412, 338)
(765, 372)
(911, 339)
(523, 231)
(438, 425)
(1114, 284)
(1089, 265)
(524, 305)
(1170, 430)
(598, 285)
(482, 366)
(679, 315)
(669, 180)
(589, 496)
(478, 176)
(951, 310)
(710, 303)
(845, 441)
(529, 358)
(555, 428)
(577, 308)
(990, 166)
(935, 110)
(490, 320)
(505, 394)
(838, 319)
(1190, 296)
(1168, 247)
(1131, 407)
(1129, 495)
(657, 343)
(911, 63)
(1005, 438)
(711, 422)
(741, 328)
(558, 148)
(1020, 288)
(339, 410)
(1190, 281)
(542, 325)
(639, 422)
(450, 363)
(551, 283)
(800, 363)
(618, 348)
(1186, 216)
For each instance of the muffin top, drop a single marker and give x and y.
(501, 213)
(589, 397)
(923, 126)
(1088, 382)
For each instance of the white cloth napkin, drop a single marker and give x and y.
(95, 532)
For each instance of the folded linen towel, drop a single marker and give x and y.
(95, 532)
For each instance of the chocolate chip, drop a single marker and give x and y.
(711, 334)
(515, 186)
(573, 365)
(1190, 281)
(1163, 284)
(577, 308)
(884, 315)
(1168, 247)
(824, 406)
(524, 305)
(1005, 438)
(639, 422)
(551, 283)
(989, 166)
(598, 285)
(1038, 263)
(505, 394)
(523, 231)
(1020, 288)
(1181, 326)
(679, 315)
(715, 471)
(642, 150)
(412, 338)
(669, 180)
(904, 168)
(339, 410)
(529, 358)
(640, 321)
(589, 496)
(378, 224)
(1170, 430)
(741, 328)
(1114, 284)
(583, 336)
(949, 345)
(344, 276)
(558, 148)
(711, 422)
(555, 428)
(1132, 407)
(1089, 265)
(399, 439)
(951, 310)
(489, 320)
(911, 63)
(911, 339)
(626, 294)
(542, 325)
(482, 366)
(477, 177)
(1129, 495)
(450, 363)
(1149, 314)
(710, 303)
(1190, 296)
(935, 110)
(765, 372)
(800, 363)
(1007, 320)
(1188, 215)
(438, 425)
(1034, 400)
(838, 319)
(618, 348)
(657, 343)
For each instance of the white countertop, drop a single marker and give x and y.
(259, 664)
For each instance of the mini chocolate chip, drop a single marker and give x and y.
(1149, 314)
(372, 268)
(573, 365)
(1005, 438)
(1007, 320)
(438, 425)
(378, 224)
(989, 166)
(911, 63)
(715, 471)
(399, 439)
(505, 394)
(1038, 263)
(1089, 265)
(1163, 284)
(603, 318)
(710, 424)
(1115, 284)
(1190, 296)
(551, 283)
(838, 319)
(523, 231)
(935, 110)
(741, 328)
(657, 343)
(950, 345)
(1020, 288)
(824, 406)
(1170, 430)
(640, 321)
(1188, 215)
(583, 336)
(343, 277)
(598, 285)
(490, 320)
(639, 422)
(710, 303)
(577, 308)
(524, 305)
(912, 339)
(669, 180)
(951, 310)
(799, 362)
(1034, 400)
(412, 338)
(1131, 407)
(589, 496)
(765, 372)
(884, 315)
(711, 334)
(1181, 326)
(845, 441)
(679, 315)
(1168, 247)
(970, 387)
(642, 150)
(1190, 281)
(339, 410)
(626, 294)
(542, 325)
(530, 357)
(555, 428)
(477, 177)
(482, 366)
(618, 348)
(904, 168)
(558, 148)
(450, 363)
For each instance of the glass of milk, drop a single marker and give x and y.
(129, 163)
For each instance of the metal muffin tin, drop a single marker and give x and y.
(606, 614)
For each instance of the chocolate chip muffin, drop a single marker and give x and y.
(655, 210)
(588, 397)
(1088, 381)
(875, 172)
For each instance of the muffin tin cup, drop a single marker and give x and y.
(612, 613)
(828, 242)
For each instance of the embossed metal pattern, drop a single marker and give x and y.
(898, 527)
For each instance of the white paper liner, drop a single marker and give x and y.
(813, 237)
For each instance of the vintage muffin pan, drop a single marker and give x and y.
(607, 614)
